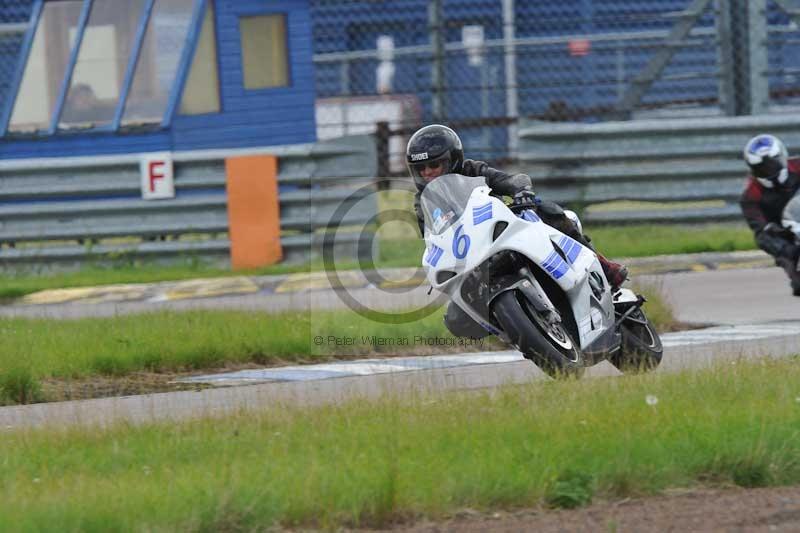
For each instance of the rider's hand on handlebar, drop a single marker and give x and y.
(525, 198)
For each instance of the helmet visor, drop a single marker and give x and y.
(431, 169)
(769, 169)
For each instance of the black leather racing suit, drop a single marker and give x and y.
(502, 184)
(764, 205)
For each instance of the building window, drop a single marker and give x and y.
(201, 92)
(157, 68)
(48, 60)
(265, 57)
(102, 60)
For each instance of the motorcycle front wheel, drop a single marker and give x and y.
(549, 346)
(641, 349)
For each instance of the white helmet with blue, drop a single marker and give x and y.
(767, 158)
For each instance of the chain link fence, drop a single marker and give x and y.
(782, 67)
(15, 11)
(14, 15)
(481, 65)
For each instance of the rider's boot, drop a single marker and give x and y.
(616, 273)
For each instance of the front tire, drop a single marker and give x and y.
(549, 346)
(641, 349)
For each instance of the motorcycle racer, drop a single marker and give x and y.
(436, 150)
(773, 181)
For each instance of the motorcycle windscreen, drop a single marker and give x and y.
(444, 199)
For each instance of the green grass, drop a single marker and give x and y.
(668, 239)
(399, 247)
(368, 463)
(174, 341)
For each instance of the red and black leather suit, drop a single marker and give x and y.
(762, 206)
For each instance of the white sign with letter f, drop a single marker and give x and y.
(157, 176)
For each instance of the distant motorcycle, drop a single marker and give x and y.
(790, 219)
(529, 284)
(790, 230)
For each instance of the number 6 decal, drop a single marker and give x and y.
(460, 244)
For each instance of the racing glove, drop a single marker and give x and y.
(525, 198)
(776, 229)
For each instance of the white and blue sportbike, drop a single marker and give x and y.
(526, 282)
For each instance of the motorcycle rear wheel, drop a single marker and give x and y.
(549, 346)
(641, 349)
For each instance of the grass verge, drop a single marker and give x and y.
(168, 341)
(667, 239)
(374, 463)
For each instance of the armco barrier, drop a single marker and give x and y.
(61, 212)
(685, 161)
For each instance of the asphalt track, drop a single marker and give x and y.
(740, 296)
(758, 314)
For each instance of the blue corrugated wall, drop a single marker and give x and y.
(544, 75)
(249, 118)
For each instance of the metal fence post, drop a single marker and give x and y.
(748, 57)
(757, 39)
(436, 22)
(382, 134)
(726, 57)
(740, 63)
(344, 77)
(510, 51)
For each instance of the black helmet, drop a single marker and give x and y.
(767, 158)
(430, 145)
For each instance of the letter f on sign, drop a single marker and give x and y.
(157, 176)
(156, 173)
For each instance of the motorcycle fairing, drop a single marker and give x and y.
(470, 241)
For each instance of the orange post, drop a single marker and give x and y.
(254, 222)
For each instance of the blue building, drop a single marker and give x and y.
(94, 77)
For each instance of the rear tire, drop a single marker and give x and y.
(641, 349)
(549, 346)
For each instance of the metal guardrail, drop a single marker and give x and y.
(684, 161)
(70, 211)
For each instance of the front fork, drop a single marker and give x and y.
(529, 286)
(633, 306)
